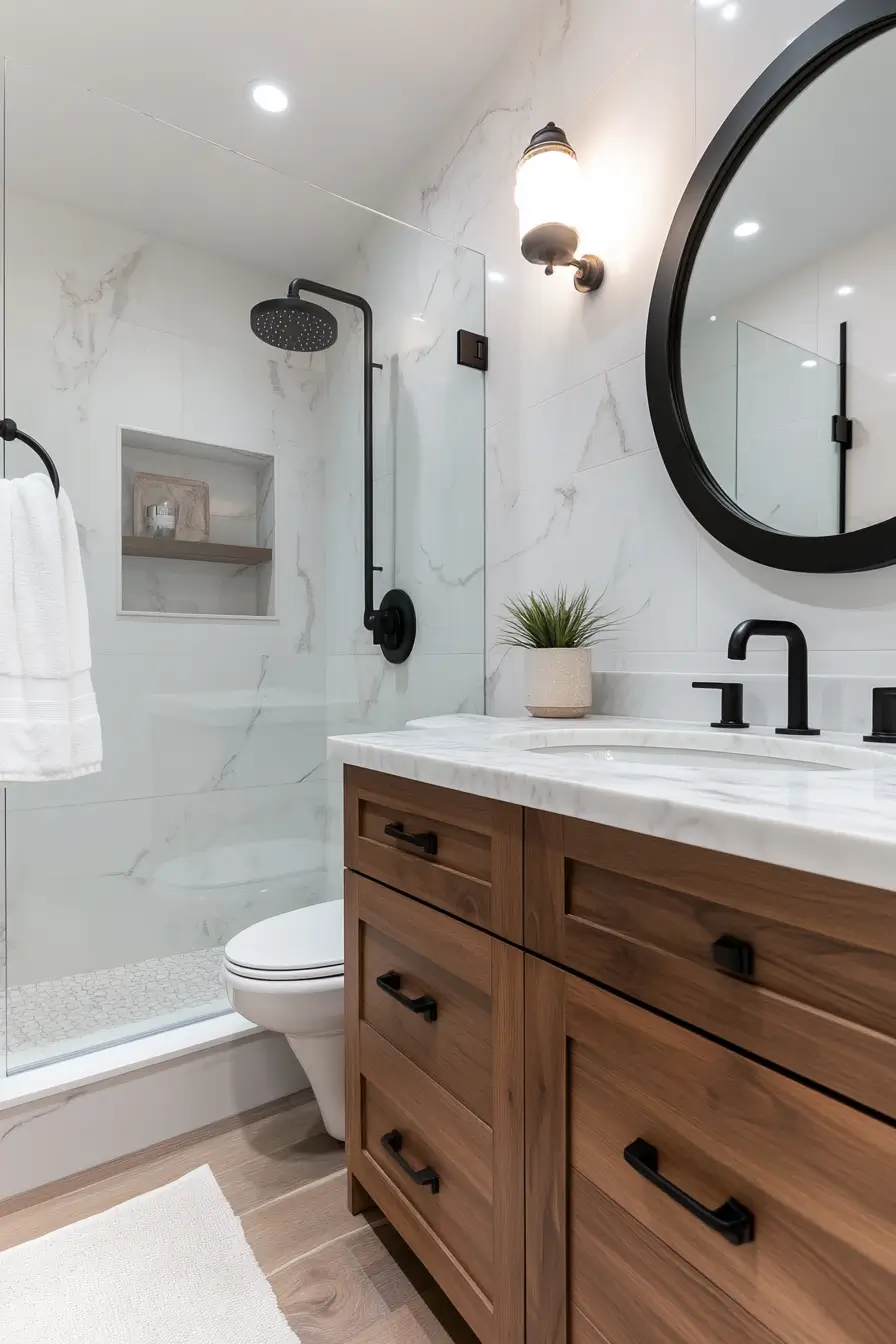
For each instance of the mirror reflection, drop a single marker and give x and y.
(788, 346)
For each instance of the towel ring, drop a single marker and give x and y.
(9, 430)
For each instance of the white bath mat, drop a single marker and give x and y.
(170, 1267)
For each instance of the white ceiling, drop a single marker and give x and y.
(71, 148)
(371, 81)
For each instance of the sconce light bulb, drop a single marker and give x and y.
(549, 200)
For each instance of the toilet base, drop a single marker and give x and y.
(323, 1060)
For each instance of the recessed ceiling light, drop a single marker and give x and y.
(747, 229)
(731, 12)
(810, 363)
(269, 97)
(713, 318)
(845, 290)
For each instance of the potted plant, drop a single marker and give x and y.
(556, 632)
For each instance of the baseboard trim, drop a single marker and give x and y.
(49, 1136)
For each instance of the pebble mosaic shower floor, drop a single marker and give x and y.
(53, 1017)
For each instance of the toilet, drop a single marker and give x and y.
(287, 974)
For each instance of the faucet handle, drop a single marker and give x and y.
(883, 715)
(732, 702)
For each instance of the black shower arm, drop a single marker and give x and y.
(355, 301)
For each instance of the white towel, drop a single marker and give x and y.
(49, 724)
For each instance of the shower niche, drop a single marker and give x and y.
(197, 529)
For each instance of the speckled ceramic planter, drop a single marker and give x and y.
(558, 683)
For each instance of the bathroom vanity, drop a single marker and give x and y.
(613, 1086)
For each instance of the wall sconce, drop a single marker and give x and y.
(549, 199)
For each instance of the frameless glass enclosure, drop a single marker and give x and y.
(133, 254)
(787, 467)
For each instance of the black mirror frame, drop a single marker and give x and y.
(851, 24)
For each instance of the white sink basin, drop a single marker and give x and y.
(695, 748)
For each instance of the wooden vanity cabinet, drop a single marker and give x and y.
(796, 968)
(678, 1191)
(459, 853)
(616, 1090)
(434, 1073)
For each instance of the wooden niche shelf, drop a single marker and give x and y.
(160, 548)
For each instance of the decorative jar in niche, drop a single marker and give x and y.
(161, 520)
(558, 682)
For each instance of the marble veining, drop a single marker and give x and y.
(839, 823)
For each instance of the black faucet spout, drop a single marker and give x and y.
(797, 667)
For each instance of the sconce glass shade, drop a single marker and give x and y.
(549, 199)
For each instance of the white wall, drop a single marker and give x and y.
(576, 488)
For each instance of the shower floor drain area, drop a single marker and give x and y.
(55, 1018)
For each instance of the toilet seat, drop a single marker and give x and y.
(305, 944)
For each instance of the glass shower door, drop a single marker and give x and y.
(133, 254)
(787, 468)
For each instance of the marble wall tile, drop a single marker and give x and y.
(615, 527)
(635, 143)
(192, 724)
(640, 90)
(371, 693)
(841, 703)
(836, 611)
(428, 446)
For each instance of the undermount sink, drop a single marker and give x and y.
(695, 748)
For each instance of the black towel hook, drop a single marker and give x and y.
(9, 430)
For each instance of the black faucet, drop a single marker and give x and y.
(797, 668)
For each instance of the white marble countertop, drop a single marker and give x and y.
(837, 822)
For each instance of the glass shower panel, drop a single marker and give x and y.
(133, 255)
(788, 470)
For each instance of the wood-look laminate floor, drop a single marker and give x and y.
(339, 1279)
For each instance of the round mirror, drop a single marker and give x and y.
(772, 335)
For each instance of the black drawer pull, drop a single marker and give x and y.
(732, 1221)
(428, 841)
(392, 1143)
(390, 984)
(735, 956)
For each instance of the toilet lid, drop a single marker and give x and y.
(300, 945)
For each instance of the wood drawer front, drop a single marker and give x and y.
(470, 1235)
(641, 1292)
(642, 915)
(444, 960)
(476, 872)
(438, 1133)
(817, 1175)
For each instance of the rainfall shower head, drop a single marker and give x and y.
(292, 323)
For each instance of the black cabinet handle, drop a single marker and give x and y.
(428, 841)
(390, 984)
(732, 1221)
(392, 1142)
(734, 955)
